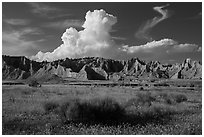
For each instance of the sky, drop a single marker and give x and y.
(167, 32)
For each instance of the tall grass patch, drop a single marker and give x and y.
(50, 106)
(179, 98)
(146, 106)
(93, 110)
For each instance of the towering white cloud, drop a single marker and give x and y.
(95, 40)
(143, 32)
(92, 41)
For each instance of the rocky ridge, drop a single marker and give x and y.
(95, 68)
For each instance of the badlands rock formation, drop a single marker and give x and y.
(95, 68)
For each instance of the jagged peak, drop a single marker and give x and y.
(133, 66)
(187, 60)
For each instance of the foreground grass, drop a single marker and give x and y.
(42, 125)
(39, 111)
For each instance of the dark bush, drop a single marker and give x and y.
(141, 88)
(179, 98)
(94, 110)
(152, 80)
(143, 107)
(50, 106)
(34, 83)
(169, 101)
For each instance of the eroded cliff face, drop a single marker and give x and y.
(18, 67)
(95, 68)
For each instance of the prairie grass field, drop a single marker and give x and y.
(172, 108)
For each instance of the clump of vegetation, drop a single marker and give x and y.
(150, 106)
(94, 110)
(34, 83)
(146, 107)
(179, 98)
(50, 106)
(146, 85)
(152, 80)
(141, 99)
(156, 111)
(171, 98)
(145, 98)
(141, 88)
(192, 85)
(165, 98)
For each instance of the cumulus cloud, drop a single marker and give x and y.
(93, 40)
(165, 46)
(143, 31)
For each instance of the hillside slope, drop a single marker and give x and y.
(95, 68)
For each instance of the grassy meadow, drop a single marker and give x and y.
(94, 109)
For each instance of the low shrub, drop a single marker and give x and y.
(141, 99)
(94, 110)
(179, 98)
(50, 106)
(171, 98)
(157, 112)
(165, 98)
(141, 88)
(34, 83)
(148, 107)
(145, 98)
(143, 107)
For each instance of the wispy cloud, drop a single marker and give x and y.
(64, 24)
(118, 38)
(29, 31)
(15, 42)
(16, 22)
(43, 9)
(143, 31)
(197, 16)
